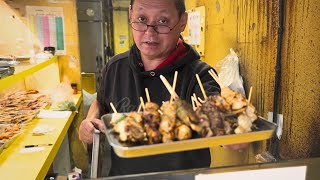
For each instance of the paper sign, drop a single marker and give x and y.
(194, 28)
(47, 25)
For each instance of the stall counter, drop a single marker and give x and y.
(299, 169)
(34, 165)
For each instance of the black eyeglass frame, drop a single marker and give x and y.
(154, 27)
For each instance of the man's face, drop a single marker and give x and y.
(152, 45)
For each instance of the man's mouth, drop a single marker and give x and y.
(151, 42)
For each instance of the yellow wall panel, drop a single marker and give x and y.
(300, 94)
(121, 31)
(246, 27)
(251, 28)
(122, 35)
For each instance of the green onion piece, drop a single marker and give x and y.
(121, 119)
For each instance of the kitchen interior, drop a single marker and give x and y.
(277, 43)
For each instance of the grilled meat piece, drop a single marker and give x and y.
(185, 112)
(244, 124)
(204, 124)
(183, 132)
(130, 130)
(168, 117)
(215, 116)
(151, 114)
(151, 119)
(168, 136)
(153, 134)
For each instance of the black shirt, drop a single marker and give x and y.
(124, 81)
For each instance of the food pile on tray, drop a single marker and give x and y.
(21, 106)
(16, 109)
(217, 115)
(7, 132)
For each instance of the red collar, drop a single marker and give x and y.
(178, 53)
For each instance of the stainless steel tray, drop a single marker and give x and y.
(265, 131)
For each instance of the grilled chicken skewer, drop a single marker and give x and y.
(151, 118)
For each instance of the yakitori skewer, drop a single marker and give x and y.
(201, 87)
(249, 96)
(147, 94)
(198, 104)
(142, 102)
(168, 86)
(216, 78)
(174, 85)
(139, 108)
(194, 107)
(113, 108)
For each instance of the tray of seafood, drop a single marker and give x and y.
(21, 106)
(177, 126)
(8, 133)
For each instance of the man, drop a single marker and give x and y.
(158, 50)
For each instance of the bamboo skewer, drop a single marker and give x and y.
(198, 104)
(216, 78)
(147, 94)
(174, 85)
(201, 101)
(142, 102)
(160, 112)
(139, 108)
(113, 108)
(201, 87)
(168, 86)
(193, 104)
(250, 93)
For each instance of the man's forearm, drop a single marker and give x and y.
(93, 110)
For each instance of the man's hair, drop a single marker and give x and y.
(180, 5)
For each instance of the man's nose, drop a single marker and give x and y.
(151, 29)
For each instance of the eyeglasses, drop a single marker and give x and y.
(143, 27)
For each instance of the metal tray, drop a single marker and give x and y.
(8, 63)
(266, 130)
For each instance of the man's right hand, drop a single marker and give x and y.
(87, 127)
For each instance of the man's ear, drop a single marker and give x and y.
(130, 13)
(183, 21)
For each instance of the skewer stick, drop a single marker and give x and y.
(139, 108)
(147, 94)
(168, 86)
(216, 78)
(142, 102)
(250, 93)
(174, 85)
(201, 87)
(198, 104)
(201, 101)
(194, 107)
(113, 108)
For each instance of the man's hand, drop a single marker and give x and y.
(87, 127)
(236, 147)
